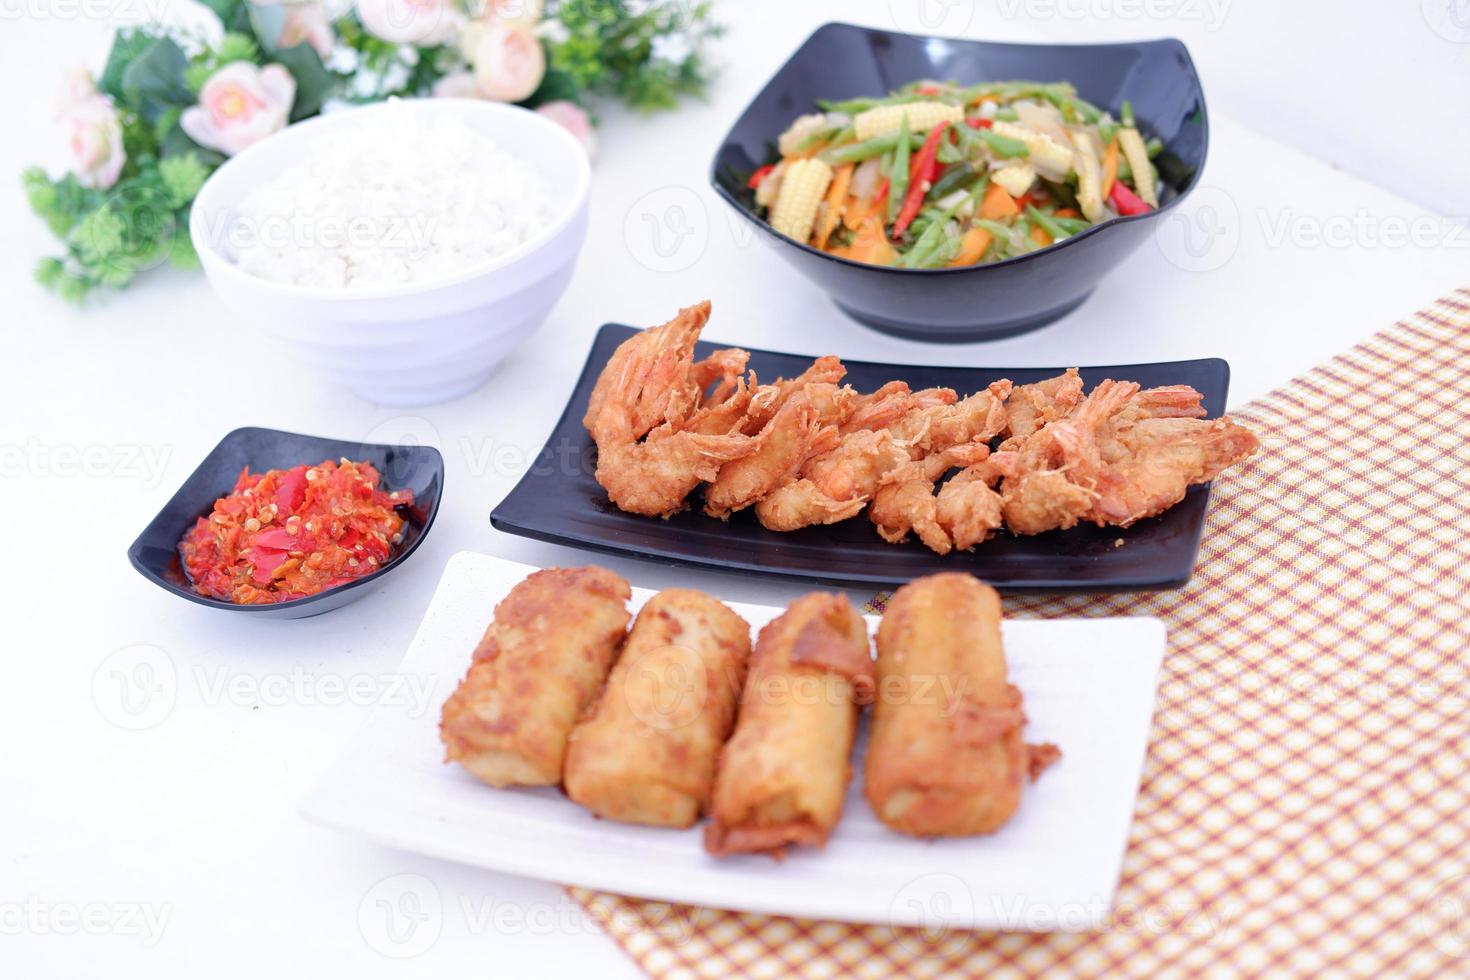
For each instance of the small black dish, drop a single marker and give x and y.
(155, 554)
(843, 61)
(559, 500)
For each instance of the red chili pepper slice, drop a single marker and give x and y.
(278, 538)
(292, 490)
(977, 123)
(921, 175)
(1126, 201)
(759, 175)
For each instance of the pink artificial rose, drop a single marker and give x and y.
(94, 136)
(457, 85)
(76, 87)
(307, 23)
(421, 22)
(572, 118)
(509, 62)
(240, 105)
(523, 12)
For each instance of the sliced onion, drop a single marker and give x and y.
(1041, 118)
(865, 178)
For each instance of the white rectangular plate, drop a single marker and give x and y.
(1088, 687)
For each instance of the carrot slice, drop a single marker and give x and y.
(972, 247)
(997, 204)
(1040, 236)
(871, 245)
(836, 195)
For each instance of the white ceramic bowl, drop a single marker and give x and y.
(416, 343)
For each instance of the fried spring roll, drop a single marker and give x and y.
(540, 663)
(646, 753)
(784, 772)
(945, 754)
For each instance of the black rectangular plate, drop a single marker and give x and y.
(558, 500)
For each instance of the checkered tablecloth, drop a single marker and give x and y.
(1305, 808)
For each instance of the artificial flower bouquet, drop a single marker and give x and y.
(170, 105)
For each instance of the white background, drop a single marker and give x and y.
(1336, 129)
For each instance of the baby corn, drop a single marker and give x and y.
(802, 188)
(1044, 153)
(1016, 177)
(922, 117)
(1089, 178)
(1143, 172)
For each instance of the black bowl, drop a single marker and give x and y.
(155, 554)
(843, 61)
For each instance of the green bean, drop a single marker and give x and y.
(1023, 234)
(1126, 113)
(1047, 223)
(1003, 146)
(854, 152)
(1089, 112)
(996, 228)
(1154, 147)
(899, 177)
(947, 152)
(1007, 114)
(854, 106)
(812, 139)
(928, 243)
(1106, 130)
(1072, 225)
(1067, 107)
(952, 179)
(934, 255)
(934, 229)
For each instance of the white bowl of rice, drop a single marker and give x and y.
(403, 249)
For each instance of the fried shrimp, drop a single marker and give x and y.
(769, 399)
(653, 373)
(810, 450)
(968, 507)
(905, 499)
(647, 391)
(835, 485)
(792, 436)
(1032, 406)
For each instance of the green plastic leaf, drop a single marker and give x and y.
(234, 15)
(182, 176)
(236, 47)
(313, 82)
(127, 47)
(100, 235)
(176, 142)
(266, 20)
(154, 81)
(181, 254)
(557, 85)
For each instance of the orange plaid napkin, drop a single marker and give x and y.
(1305, 808)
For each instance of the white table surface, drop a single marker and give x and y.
(176, 848)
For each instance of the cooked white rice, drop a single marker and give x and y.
(393, 199)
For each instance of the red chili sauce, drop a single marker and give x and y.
(288, 534)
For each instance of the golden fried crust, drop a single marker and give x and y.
(783, 774)
(540, 663)
(946, 755)
(646, 752)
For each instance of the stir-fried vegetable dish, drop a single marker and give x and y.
(939, 174)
